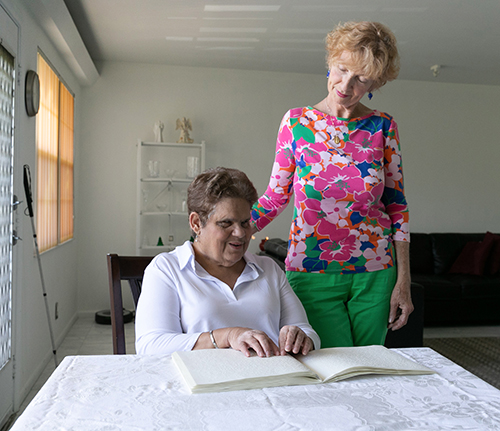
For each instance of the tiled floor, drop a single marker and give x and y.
(87, 337)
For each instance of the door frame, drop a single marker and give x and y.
(10, 40)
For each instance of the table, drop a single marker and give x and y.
(129, 392)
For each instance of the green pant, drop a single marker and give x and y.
(349, 309)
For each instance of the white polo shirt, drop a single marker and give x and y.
(180, 300)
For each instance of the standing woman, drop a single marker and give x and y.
(348, 249)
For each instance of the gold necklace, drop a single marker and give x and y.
(329, 109)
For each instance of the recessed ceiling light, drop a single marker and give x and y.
(179, 39)
(241, 8)
(232, 30)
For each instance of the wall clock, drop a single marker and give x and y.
(32, 93)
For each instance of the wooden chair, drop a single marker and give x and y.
(130, 268)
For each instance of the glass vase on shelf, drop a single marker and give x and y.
(154, 168)
(183, 202)
(192, 166)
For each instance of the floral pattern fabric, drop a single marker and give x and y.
(347, 178)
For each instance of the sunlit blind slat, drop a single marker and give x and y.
(66, 164)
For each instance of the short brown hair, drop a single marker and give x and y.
(373, 48)
(208, 188)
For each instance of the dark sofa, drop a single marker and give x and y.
(459, 272)
(411, 335)
(455, 279)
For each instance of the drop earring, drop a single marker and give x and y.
(370, 95)
(328, 74)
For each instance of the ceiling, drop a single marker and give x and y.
(462, 36)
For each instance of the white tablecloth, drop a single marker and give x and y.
(147, 393)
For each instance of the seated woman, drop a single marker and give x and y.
(211, 293)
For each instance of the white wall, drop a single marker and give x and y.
(237, 113)
(31, 340)
(447, 133)
(451, 154)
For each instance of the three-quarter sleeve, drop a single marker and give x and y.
(280, 189)
(394, 198)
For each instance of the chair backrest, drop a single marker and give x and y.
(130, 268)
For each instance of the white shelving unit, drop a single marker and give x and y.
(162, 194)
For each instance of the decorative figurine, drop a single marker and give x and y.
(159, 131)
(185, 125)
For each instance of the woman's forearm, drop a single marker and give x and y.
(401, 303)
(403, 261)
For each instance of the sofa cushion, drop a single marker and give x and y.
(443, 313)
(448, 246)
(439, 287)
(474, 287)
(421, 257)
(473, 257)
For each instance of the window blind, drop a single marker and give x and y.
(66, 164)
(54, 160)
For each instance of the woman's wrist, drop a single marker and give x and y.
(221, 337)
(212, 339)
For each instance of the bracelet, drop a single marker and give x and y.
(211, 333)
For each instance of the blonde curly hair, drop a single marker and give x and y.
(372, 46)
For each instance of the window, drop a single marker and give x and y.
(7, 86)
(54, 208)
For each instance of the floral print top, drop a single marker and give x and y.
(347, 178)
